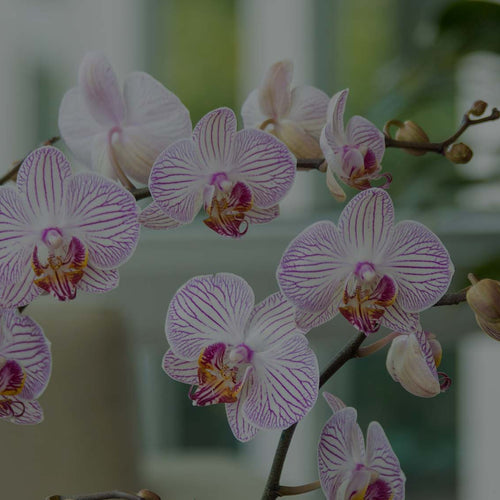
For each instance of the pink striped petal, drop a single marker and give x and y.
(241, 427)
(251, 113)
(396, 318)
(104, 217)
(22, 292)
(285, 385)
(307, 320)
(22, 340)
(271, 321)
(309, 109)
(154, 217)
(100, 90)
(177, 180)
(381, 458)
(180, 369)
(206, 310)
(335, 117)
(214, 136)
(42, 178)
(18, 234)
(313, 267)
(265, 164)
(21, 412)
(362, 132)
(274, 93)
(420, 264)
(96, 280)
(341, 448)
(78, 127)
(365, 224)
(262, 215)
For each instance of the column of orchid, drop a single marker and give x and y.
(63, 232)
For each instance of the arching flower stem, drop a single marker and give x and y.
(297, 490)
(105, 495)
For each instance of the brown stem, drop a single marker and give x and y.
(105, 495)
(11, 174)
(452, 299)
(272, 488)
(297, 490)
(440, 147)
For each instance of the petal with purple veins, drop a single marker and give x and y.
(313, 266)
(262, 215)
(285, 386)
(179, 369)
(265, 164)
(335, 403)
(21, 412)
(154, 217)
(362, 132)
(102, 215)
(241, 427)
(420, 264)
(21, 292)
(206, 310)
(177, 180)
(335, 117)
(308, 109)
(95, 280)
(396, 318)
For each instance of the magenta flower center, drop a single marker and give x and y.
(12, 378)
(221, 370)
(52, 237)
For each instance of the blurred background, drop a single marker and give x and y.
(113, 419)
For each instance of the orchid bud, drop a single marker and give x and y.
(459, 153)
(411, 132)
(483, 298)
(478, 108)
(148, 495)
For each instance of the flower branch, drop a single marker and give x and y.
(12, 173)
(109, 495)
(297, 490)
(272, 489)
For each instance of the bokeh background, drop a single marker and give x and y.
(113, 419)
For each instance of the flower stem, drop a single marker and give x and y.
(105, 495)
(297, 490)
(272, 488)
(11, 174)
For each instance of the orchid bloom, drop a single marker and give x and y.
(61, 232)
(295, 116)
(25, 365)
(252, 358)
(354, 153)
(412, 360)
(368, 269)
(120, 134)
(237, 177)
(347, 470)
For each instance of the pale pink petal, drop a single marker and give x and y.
(331, 149)
(361, 132)
(365, 224)
(341, 448)
(96, 280)
(251, 113)
(313, 266)
(265, 165)
(381, 458)
(18, 235)
(21, 412)
(104, 217)
(155, 119)
(100, 90)
(180, 369)
(206, 310)
(308, 109)
(274, 93)
(335, 403)
(335, 116)
(262, 215)
(77, 126)
(21, 292)
(271, 321)
(337, 192)
(214, 136)
(154, 217)
(101, 157)
(177, 181)
(396, 318)
(417, 259)
(22, 340)
(285, 385)
(241, 427)
(42, 178)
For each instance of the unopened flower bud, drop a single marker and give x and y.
(148, 495)
(478, 108)
(459, 153)
(483, 298)
(411, 132)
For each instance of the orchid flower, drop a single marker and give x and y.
(120, 134)
(252, 358)
(295, 116)
(412, 360)
(354, 153)
(347, 470)
(25, 365)
(61, 232)
(237, 177)
(368, 269)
